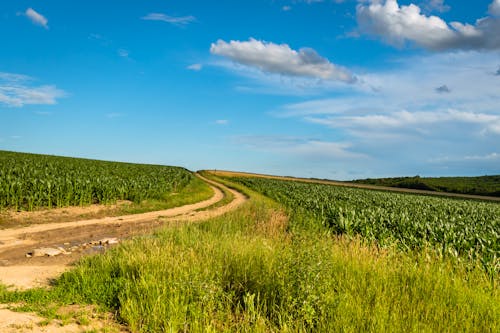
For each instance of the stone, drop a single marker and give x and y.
(108, 241)
(45, 251)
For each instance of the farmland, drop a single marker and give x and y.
(30, 181)
(297, 257)
(462, 229)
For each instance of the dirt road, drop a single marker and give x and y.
(79, 238)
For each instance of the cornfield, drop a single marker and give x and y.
(464, 229)
(30, 181)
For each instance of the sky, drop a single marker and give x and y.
(338, 89)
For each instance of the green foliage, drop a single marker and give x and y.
(463, 229)
(29, 181)
(484, 185)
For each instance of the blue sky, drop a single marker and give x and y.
(331, 89)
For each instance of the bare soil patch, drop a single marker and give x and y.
(73, 213)
(80, 319)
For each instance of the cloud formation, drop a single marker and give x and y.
(123, 53)
(175, 20)
(300, 147)
(494, 8)
(424, 123)
(316, 1)
(443, 89)
(281, 59)
(401, 24)
(36, 18)
(436, 5)
(195, 67)
(488, 157)
(389, 118)
(17, 90)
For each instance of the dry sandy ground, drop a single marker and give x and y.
(21, 272)
(13, 219)
(21, 322)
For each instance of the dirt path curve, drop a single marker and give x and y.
(18, 271)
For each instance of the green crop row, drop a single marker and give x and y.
(30, 181)
(464, 229)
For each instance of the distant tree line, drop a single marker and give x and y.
(483, 185)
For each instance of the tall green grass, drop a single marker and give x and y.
(245, 272)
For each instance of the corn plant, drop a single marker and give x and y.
(463, 229)
(30, 181)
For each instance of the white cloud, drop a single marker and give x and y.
(436, 5)
(317, 1)
(300, 147)
(479, 164)
(10, 77)
(286, 8)
(406, 127)
(175, 20)
(399, 24)
(123, 53)
(222, 122)
(325, 149)
(259, 82)
(36, 18)
(494, 8)
(17, 90)
(102, 40)
(22, 95)
(195, 67)
(405, 122)
(488, 157)
(398, 85)
(281, 59)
